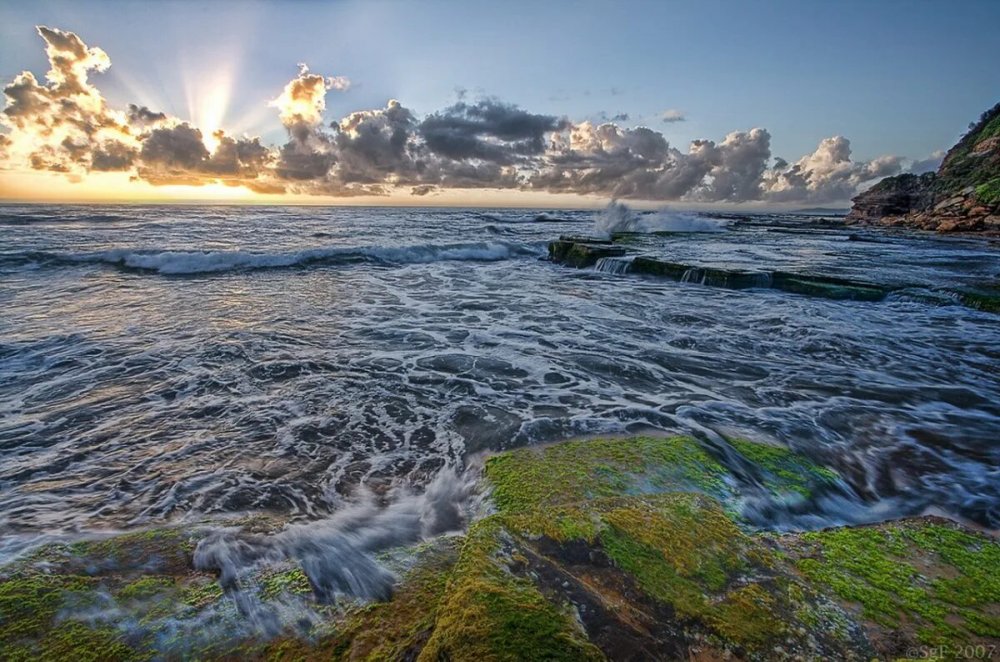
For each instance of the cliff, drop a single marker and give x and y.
(962, 196)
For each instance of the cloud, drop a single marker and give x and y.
(57, 125)
(177, 155)
(826, 175)
(617, 117)
(376, 145)
(740, 161)
(488, 130)
(304, 98)
(63, 124)
(930, 164)
(672, 115)
(113, 155)
(639, 163)
(143, 116)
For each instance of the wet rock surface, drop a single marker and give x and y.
(622, 549)
(827, 287)
(582, 252)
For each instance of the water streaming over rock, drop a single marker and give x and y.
(168, 364)
(613, 265)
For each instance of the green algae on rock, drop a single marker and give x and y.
(582, 252)
(625, 548)
(783, 471)
(913, 582)
(714, 588)
(574, 471)
(490, 613)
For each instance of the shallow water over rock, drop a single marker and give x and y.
(163, 363)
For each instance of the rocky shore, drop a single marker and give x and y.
(962, 196)
(625, 548)
(604, 255)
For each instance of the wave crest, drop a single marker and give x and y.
(198, 262)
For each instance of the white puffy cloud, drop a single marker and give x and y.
(304, 98)
(826, 175)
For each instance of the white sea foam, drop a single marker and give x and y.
(196, 262)
(338, 553)
(619, 218)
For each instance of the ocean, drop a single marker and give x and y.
(172, 364)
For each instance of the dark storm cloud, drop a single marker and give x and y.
(489, 130)
(143, 116)
(374, 145)
(113, 156)
(177, 155)
(178, 147)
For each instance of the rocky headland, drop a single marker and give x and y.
(962, 196)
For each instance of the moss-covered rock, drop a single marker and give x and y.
(624, 548)
(782, 471)
(827, 287)
(489, 613)
(600, 519)
(571, 472)
(984, 298)
(918, 582)
(582, 252)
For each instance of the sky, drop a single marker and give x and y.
(531, 103)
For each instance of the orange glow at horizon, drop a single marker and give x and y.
(32, 186)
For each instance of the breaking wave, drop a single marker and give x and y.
(619, 218)
(199, 262)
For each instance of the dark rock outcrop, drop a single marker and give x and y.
(963, 196)
(582, 252)
(894, 196)
(826, 287)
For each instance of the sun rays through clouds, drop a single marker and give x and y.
(63, 124)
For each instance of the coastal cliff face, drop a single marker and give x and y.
(962, 196)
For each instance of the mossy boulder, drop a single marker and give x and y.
(619, 548)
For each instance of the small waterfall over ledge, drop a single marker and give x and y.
(613, 265)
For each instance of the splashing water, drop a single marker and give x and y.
(338, 553)
(618, 218)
